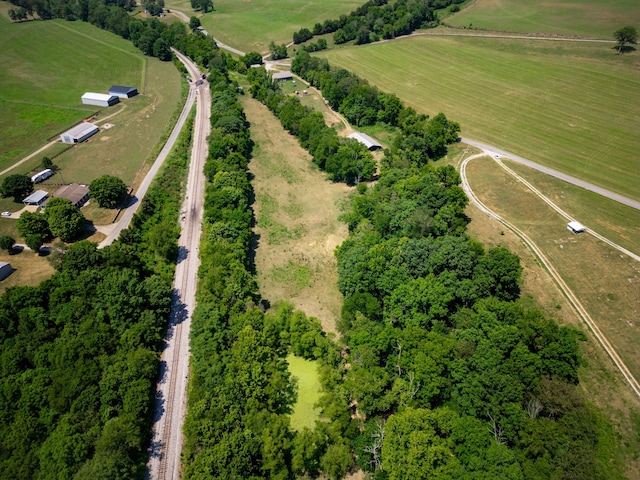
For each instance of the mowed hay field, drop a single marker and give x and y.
(583, 18)
(46, 67)
(573, 106)
(297, 213)
(41, 89)
(250, 25)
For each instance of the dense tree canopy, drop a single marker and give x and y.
(17, 186)
(64, 220)
(108, 190)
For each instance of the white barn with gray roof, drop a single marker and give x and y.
(79, 133)
(366, 140)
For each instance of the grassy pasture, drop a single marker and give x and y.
(607, 282)
(570, 105)
(306, 374)
(44, 75)
(581, 18)
(251, 25)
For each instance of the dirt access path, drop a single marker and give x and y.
(558, 279)
(297, 212)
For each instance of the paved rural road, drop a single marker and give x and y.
(171, 395)
(573, 299)
(493, 151)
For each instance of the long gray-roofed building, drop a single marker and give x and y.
(99, 99)
(366, 140)
(5, 270)
(36, 198)
(280, 76)
(79, 133)
(123, 92)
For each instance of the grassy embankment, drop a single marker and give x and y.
(583, 18)
(569, 105)
(251, 26)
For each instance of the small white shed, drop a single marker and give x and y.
(366, 140)
(79, 133)
(576, 227)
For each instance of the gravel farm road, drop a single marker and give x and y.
(493, 151)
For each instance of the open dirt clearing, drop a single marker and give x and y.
(297, 213)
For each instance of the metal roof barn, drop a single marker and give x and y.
(123, 92)
(36, 198)
(5, 270)
(99, 99)
(282, 76)
(79, 133)
(366, 140)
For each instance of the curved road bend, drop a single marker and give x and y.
(537, 252)
(171, 395)
(493, 151)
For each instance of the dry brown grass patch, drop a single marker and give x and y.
(297, 211)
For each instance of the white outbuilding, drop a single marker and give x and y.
(36, 198)
(281, 76)
(5, 270)
(99, 99)
(42, 176)
(366, 140)
(79, 133)
(576, 227)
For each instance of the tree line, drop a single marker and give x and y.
(376, 20)
(240, 390)
(344, 159)
(80, 352)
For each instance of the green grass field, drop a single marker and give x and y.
(570, 105)
(252, 25)
(47, 68)
(306, 374)
(582, 18)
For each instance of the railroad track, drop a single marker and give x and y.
(165, 453)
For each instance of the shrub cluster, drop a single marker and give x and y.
(377, 19)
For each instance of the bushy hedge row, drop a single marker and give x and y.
(344, 159)
(377, 19)
(240, 390)
(80, 352)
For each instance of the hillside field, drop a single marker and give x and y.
(570, 105)
(45, 72)
(582, 18)
(252, 25)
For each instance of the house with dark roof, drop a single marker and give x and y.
(5, 270)
(78, 194)
(123, 92)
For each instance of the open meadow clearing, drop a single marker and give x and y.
(297, 213)
(570, 105)
(252, 25)
(583, 18)
(41, 86)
